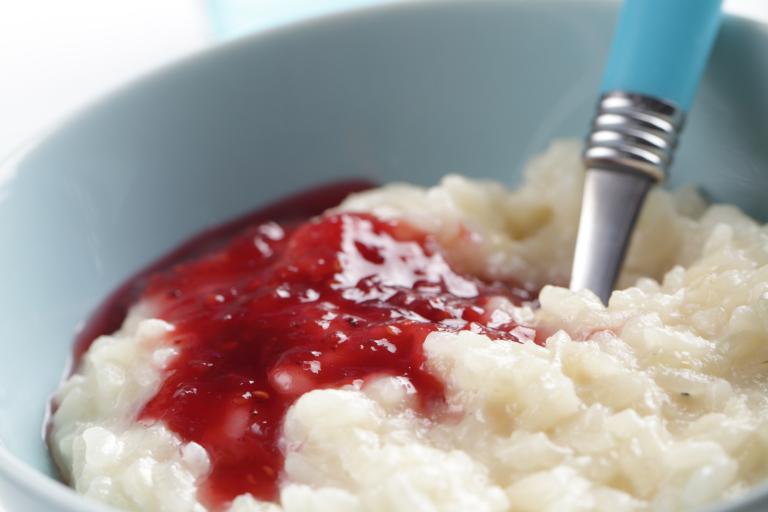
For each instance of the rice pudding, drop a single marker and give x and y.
(412, 349)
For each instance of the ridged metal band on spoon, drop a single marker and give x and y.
(629, 148)
(633, 133)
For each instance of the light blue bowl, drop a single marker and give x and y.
(406, 92)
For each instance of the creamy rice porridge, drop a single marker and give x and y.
(465, 395)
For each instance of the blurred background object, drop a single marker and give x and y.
(57, 56)
(232, 18)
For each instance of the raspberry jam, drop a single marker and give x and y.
(287, 307)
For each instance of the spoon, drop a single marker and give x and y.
(656, 61)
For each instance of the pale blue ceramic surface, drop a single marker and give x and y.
(661, 47)
(408, 92)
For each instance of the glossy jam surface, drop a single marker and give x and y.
(109, 316)
(284, 310)
(265, 311)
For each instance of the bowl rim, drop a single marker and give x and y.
(37, 485)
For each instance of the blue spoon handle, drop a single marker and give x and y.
(661, 47)
(656, 61)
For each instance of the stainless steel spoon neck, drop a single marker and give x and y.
(633, 133)
(630, 147)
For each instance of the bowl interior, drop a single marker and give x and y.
(407, 92)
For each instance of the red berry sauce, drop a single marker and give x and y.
(285, 308)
